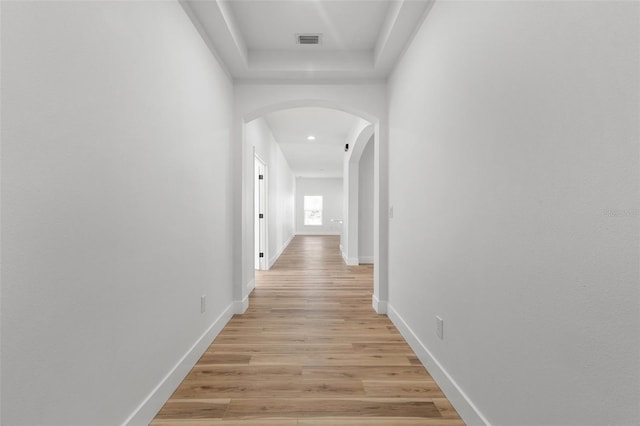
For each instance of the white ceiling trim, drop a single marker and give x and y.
(218, 25)
(205, 36)
(234, 32)
(322, 61)
(217, 28)
(403, 20)
(387, 29)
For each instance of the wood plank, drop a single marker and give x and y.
(344, 407)
(212, 373)
(445, 408)
(377, 347)
(223, 422)
(364, 372)
(225, 358)
(194, 409)
(357, 359)
(376, 421)
(250, 348)
(404, 388)
(249, 388)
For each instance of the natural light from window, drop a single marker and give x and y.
(313, 210)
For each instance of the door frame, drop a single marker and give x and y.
(260, 205)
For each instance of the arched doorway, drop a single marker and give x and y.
(254, 102)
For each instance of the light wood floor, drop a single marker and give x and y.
(310, 350)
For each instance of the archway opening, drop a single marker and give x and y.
(265, 132)
(260, 102)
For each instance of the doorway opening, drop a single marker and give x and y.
(275, 131)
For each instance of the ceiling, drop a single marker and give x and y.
(256, 39)
(322, 157)
(273, 25)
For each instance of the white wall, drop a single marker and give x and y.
(280, 187)
(514, 180)
(365, 205)
(116, 205)
(331, 191)
(357, 139)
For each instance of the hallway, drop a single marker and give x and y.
(310, 350)
(502, 178)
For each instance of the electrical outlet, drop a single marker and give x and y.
(203, 304)
(440, 327)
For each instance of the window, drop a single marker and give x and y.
(313, 210)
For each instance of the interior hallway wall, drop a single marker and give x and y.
(357, 139)
(116, 205)
(515, 187)
(331, 191)
(365, 205)
(281, 187)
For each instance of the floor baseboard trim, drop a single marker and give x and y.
(366, 260)
(378, 305)
(148, 409)
(251, 285)
(318, 233)
(349, 261)
(273, 260)
(240, 307)
(460, 401)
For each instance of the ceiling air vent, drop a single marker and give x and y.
(308, 38)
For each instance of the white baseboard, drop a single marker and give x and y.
(318, 233)
(351, 261)
(148, 409)
(240, 307)
(251, 285)
(272, 261)
(460, 401)
(378, 305)
(368, 260)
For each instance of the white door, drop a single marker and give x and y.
(260, 203)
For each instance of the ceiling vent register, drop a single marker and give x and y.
(308, 39)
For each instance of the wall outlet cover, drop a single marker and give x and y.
(440, 327)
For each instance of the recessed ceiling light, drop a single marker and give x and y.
(311, 138)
